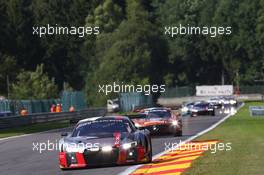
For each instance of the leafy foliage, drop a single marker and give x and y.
(132, 55)
(201, 59)
(131, 47)
(36, 85)
(8, 70)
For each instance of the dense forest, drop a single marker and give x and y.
(131, 47)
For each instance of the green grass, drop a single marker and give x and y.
(246, 135)
(32, 128)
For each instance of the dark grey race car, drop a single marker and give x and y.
(104, 141)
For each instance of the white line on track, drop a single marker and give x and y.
(133, 168)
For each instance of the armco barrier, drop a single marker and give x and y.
(16, 121)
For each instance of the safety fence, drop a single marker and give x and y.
(75, 99)
(183, 91)
(16, 121)
(187, 91)
(129, 101)
(32, 106)
(68, 99)
(252, 89)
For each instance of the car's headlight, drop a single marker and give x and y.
(107, 148)
(129, 145)
(184, 109)
(137, 125)
(194, 110)
(174, 122)
(232, 102)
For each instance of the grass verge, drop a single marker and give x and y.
(246, 135)
(32, 128)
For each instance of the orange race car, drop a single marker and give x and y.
(158, 120)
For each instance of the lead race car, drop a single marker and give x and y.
(111, 140)
(158, 120)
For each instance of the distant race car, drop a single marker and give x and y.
(216, 102)
(186, 108)
(159, 120)
(111, 140)
(222, 101)
(229, 100)
(202, 108)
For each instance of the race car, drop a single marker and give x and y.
(111, 140)
(159, 120)
(186, 107)
(216, 102)
(223, 101)
(202, 108)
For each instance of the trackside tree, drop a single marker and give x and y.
(36, 85)
(132, 47)
(204, 59)
(132, 55)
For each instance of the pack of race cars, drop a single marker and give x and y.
(207, 107)
(117, 140)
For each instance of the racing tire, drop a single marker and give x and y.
(149, 156)
(63, 169)
(212, 113)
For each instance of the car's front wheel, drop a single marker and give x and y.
(212, 113)
(149, 156)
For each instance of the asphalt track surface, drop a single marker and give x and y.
(17, 156)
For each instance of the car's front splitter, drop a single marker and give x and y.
(81, 160)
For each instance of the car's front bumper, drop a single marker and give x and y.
(117, 156)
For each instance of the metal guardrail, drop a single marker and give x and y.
(16, 121)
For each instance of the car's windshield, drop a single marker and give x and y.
(159, 114)
(189, 104)
(98, 127)
(137, 116)
(202, 105)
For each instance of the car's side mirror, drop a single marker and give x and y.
(64, 134)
